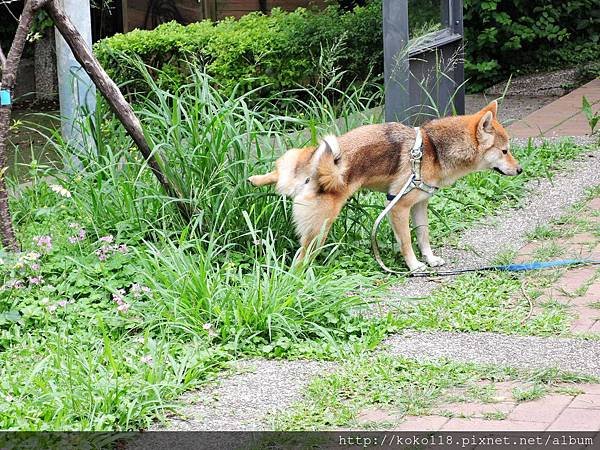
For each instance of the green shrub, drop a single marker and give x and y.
(276, 52)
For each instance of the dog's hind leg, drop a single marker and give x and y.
(263, 180)
(313, 218)
(400, 219)
(420, 220)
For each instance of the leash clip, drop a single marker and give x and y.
(416, 152)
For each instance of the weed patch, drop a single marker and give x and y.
(480, 303)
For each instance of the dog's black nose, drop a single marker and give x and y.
(519, 170)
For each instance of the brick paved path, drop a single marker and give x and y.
(562, 117)
(578, 288)
(557, 411)
(573, 407)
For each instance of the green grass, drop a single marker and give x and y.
(73, 380)
(474, 302)
(495, 415)
(581, 290)
(569, 390)
(484, 394)
(496, 301)
(542, 232)
(548, 250)
(533, 393)
(130, 306)
(402, 386)
(577, 219)
(267, 309)
(98, 335)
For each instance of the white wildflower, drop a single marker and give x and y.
(60, 190)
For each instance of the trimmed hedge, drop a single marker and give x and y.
(280, 51)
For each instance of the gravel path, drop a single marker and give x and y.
(241, 402)
(482, 243)
(527, 352)
(538, 84)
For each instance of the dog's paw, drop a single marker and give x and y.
(435, 261)
(417, 266)
(253, 180)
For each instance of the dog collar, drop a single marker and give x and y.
(416, 155)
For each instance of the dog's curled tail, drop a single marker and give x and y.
(330, 174)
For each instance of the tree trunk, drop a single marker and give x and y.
(46, 84)
(9, 76)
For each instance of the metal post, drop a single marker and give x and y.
(77, 93)
(425, 80)
(395, 54)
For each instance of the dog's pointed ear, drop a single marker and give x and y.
(484, 132)
(492, 107)
(485, 123)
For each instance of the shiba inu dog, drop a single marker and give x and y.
(321, 179)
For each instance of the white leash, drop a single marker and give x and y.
(416, 153)
(380, 217)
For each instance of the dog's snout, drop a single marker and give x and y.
(519, 170)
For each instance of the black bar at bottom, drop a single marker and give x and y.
(338, 440)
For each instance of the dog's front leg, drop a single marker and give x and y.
(400, 218)
(419, 211)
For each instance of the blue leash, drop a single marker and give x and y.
(535, 265)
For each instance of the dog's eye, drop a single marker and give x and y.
(307, 180)
(505, 151)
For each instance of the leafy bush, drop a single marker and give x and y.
(283, 50)
(276, 52)
(511, 36)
